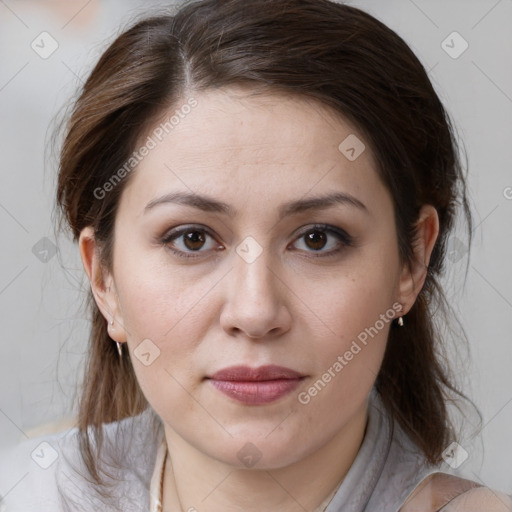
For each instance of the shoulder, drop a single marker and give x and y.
(27, 473)
(405, 465)
(446, 492)
(479, 499)
(40, 472)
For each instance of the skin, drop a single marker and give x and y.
(479, 499)
(473, 500)
(287, 307)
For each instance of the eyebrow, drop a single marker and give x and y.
(209, 204)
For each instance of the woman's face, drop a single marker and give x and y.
(247, 237)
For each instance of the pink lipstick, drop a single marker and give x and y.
(256, 386)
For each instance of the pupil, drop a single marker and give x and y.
(316, 240)
(194, 240)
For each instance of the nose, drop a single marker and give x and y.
(256, 300)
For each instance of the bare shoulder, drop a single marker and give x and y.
(480, 499)
(448, 493)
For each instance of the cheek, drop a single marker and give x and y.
(166, 313)
(159, 301)
(348, 365)
(353, 299)
(174, 307)
(356, 312)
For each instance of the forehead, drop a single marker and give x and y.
(234, 142)
(236, 121)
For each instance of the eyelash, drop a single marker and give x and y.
(345, 239)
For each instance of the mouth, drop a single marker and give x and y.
(256, 386)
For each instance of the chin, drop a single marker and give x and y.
(251, 449)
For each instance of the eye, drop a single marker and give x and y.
(322, 236)
(188, 240)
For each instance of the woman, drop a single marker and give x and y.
(261, 192)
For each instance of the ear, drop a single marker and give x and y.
(414, 274)
(102, 285)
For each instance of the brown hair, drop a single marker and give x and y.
(316, 49)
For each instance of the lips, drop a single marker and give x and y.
(253, 386)
(247, 374)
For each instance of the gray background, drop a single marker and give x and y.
(43, 326)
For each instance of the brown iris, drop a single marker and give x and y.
(316, 239)
(194, 240)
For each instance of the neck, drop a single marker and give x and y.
(195, 482)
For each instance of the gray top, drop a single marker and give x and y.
(387, 468)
